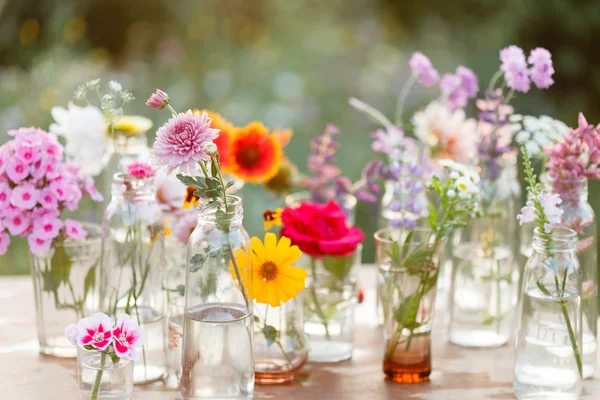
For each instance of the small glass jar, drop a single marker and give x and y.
(347, 203)
(329, 303)
(280, 345)
(579, 215)
(64, 285)
(548, 361)
(409, 271)
(133, 273)
(484, 286)
(100, 378)
(217, 353)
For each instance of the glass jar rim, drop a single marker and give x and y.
(204, 205)
(563, 239)
(380, 235)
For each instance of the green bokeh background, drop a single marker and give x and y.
(288, 63)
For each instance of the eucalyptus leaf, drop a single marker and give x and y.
(187, 180)
(270, 334)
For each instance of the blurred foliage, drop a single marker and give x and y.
(287, 63)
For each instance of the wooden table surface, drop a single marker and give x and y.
(458, 373)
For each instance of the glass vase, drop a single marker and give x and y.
(64, 286)
(548, 346)
(409, 271)
(133, 273)
(100, 378)
(280, 345)
(346, 202)
(484, 286)
(217, 354)
(329, 302)
(579, 216)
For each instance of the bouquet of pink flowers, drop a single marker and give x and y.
(36, 184)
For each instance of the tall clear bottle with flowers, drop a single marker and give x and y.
(548, 362)
(217, 354)
(38, 184)
(333, 254)
(132, 275)
(572, 162)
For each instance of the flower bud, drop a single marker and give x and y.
(210, 149)
(159, 99)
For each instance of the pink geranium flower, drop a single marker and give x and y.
(140, 170)
(74, 230)
(48, 227)
(25, 196)
(180, 142)
(95, 331)
(4, 241)
(127, 336)
(16, 170)
(38, 245)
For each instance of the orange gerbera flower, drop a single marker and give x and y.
(255, 154)
(223, 142)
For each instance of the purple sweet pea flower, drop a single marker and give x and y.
(541, 68)
(457, 89)
(421, 67)
(515, 69)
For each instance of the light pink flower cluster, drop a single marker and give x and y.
(99, 332)
(574, 159)
(421, 67)
(549, 203)
(36, 184)
(458, 88)
(140, 170)
(517, 73)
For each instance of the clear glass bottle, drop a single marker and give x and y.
(329, 303)
(133, 272)
(100, 378)
(408, 300)
(579, 216)
(64, 285)
(347, 203)
(280, 345)
(217, 354)
(548, 346)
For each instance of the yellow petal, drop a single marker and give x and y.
(258, 288)
(289, 257)
(270, 245)
(258, 248)
(273, 298)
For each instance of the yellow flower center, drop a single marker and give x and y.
(268, 270)
(462, 186)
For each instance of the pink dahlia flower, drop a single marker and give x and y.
(140, 170)
(127, 335)
(95, 331)
(159, 99)
(180, 142)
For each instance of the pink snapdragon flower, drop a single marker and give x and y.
(95, 331)
(74, 230)
(25, 197)
(180, 142)
(159, 99)
(421, 67)
(140, 170)
(128, 336)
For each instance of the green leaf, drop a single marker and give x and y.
(114, 358)
(396, 258)
(432, 219)
(187, 180)
(196, 262)
(60, 268)
(407, 244)
(229, 184)
(214, 169)
(487, 319)
(180, 289)
(406, 314)
(89, 281)
(339, 267)
(256, 319)
(270, 334)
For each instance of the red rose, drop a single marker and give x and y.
(320, 230)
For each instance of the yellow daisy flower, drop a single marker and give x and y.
(274, 279)
(132, 125)
(272, 218)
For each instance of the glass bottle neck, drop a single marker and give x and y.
(233, 213)
(561, 240)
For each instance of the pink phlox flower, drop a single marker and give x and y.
(95, 331)
(140, 170)
(4, 241)
(38, 245)
(421, 67)
(158, 99)
(180, 142)
(16, 169)
(74, 230)
(90, 188)
(128, 336)
(5, 194)
(60, 190)
(515, 69)
(25, 196)
(48, 227)
(48, 199)
(542, 69)
(39, 213)
(16, 221)
(28, 153)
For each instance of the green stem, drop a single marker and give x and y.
(370, 111)
(313, 292)
(498, 298)
(172, 110)
(239, 277)
(402, 99)
(287, 358)
(98, 380)
(494, 79)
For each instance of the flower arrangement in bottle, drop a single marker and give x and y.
(106, 351)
